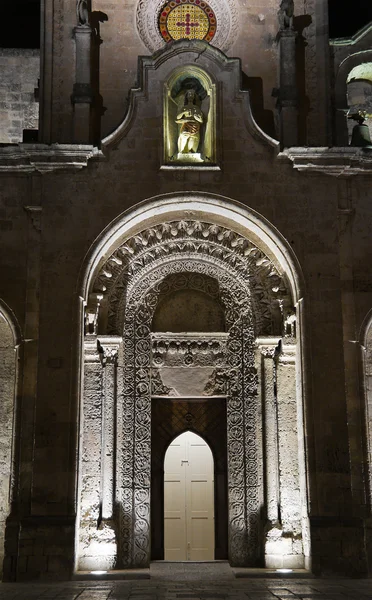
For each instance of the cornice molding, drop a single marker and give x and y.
(336, 161)
(43, 158)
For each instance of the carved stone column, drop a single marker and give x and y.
(82, 96)
(97, 534)
(288, 545)
(110, 346)
(288, 96)
(268, 348)
(90, 456)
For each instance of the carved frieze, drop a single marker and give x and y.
(187, 351)
(202, 241)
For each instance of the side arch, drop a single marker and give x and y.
(10, 340)
(365, 338)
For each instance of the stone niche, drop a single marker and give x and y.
(189, 117)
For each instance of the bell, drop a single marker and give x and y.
(360, 136)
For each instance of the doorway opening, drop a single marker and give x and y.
(192, 325)
(188, 500)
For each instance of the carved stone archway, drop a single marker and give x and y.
(114, 502)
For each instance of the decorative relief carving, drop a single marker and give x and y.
(157, 386)
(202, 240)
(109, 348)
(242, 405)
(149, 266)
(170, 350)
(217, 383)
(226, 12)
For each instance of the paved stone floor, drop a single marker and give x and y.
(206, 581)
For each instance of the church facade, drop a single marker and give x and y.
(186, 248)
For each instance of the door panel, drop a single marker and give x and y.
(174, 503)
(188, 500)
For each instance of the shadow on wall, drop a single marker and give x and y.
(264, 118)
(98, 110)
(300, 23)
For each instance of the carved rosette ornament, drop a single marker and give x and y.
(222, 22)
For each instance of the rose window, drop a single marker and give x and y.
(190, 19)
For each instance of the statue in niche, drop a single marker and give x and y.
(82, 12)
(285, 14)
(190, 118)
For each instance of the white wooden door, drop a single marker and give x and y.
(188, 500)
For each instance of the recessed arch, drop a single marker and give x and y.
(190, 76)
(220, 209)
(188, 310)
(352, 64)
(362, 71)
(173, 235)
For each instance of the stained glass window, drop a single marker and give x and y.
(190, 19)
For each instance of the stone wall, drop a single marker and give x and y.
(124, 31)
(19, 108)
(323, 221)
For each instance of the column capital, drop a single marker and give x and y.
(288, 352)
(268, 346)
(91, 353)
(109, 346)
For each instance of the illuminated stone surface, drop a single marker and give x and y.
(170, 581)
(146, 295)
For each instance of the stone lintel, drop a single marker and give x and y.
(336, 161)
(204, 335)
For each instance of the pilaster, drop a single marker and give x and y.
(82, 96)
(288, 95)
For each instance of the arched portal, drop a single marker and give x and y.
(239, 271)
(188, 499)
(8, 379)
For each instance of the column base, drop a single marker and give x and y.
(283, 550)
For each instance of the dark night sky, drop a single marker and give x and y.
(20, 21)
